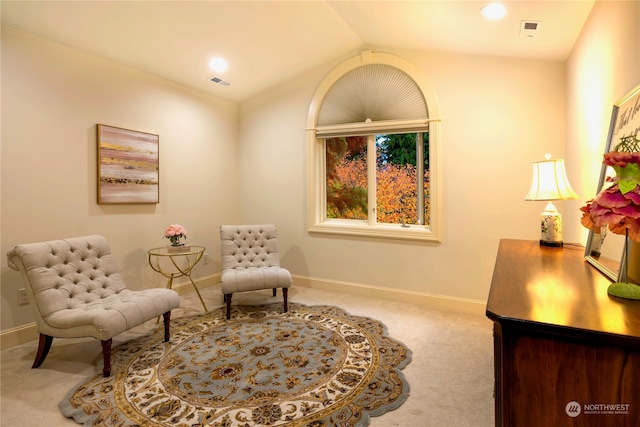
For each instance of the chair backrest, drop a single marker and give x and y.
(65, 274)
(249, 246)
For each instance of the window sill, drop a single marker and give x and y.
(383, 231)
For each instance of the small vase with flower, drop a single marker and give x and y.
(174, 233)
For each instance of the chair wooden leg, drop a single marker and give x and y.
(167, 318)
(228, 300)
(274, 291)
(285, 292)
(43, 349)
(106, 356)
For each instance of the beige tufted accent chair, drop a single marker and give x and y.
(250, 261)
(75, 290)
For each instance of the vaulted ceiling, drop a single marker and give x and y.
(269, 42)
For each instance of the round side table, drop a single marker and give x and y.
(180, 266)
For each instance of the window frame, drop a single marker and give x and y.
(317, 222)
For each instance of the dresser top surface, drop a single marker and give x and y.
(556, 288)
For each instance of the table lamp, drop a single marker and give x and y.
(550, 183)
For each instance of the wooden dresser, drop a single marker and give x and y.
(565, 353)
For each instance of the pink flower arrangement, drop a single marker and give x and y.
(618, 206)
(174, 233)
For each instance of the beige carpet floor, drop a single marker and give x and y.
(450, 374)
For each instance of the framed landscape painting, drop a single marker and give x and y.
(128, 166)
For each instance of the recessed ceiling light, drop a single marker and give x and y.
(217, 64)
(494, 11)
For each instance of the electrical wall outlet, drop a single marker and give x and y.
(22, 297)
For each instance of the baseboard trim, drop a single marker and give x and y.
(25, 333)
(18, 335)
(399, 295)
(201, 283)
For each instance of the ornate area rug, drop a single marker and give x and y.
(313, 366)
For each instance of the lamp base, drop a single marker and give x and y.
(551, 227)
(624, 290)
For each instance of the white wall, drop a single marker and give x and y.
(498, 115)
(604, 65)
(52, 99)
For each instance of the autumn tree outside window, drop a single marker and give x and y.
(373, 151)
(400, 173)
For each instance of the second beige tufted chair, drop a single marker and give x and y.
(250, 261)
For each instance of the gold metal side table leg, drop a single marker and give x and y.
(198, 292)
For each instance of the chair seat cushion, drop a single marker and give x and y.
(106, 317)
(255, 278)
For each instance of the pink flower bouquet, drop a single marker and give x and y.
(618, 206)
(174, 233)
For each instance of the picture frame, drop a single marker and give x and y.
(128, 166)
(607, 251)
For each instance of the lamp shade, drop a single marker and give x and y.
(550, 182)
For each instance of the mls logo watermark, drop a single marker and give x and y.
(573, 409)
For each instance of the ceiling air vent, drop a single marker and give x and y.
(529, 29)
(219, 81)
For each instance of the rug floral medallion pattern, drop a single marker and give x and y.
(314, 366)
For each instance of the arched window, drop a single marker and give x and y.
(373, 134)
